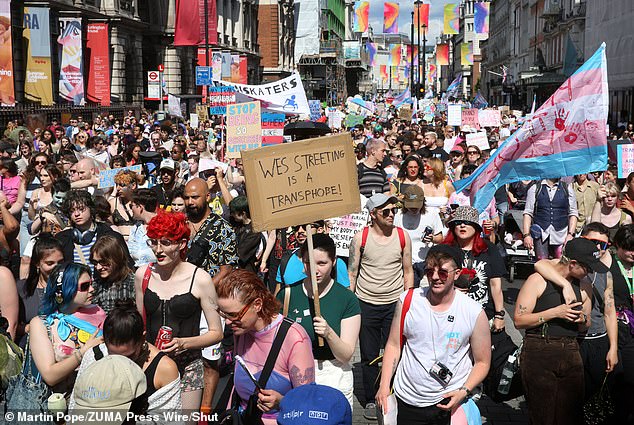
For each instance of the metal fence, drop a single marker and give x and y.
(47, 113)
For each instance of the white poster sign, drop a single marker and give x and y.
(478, 139)
(343, 229)
(454, 114)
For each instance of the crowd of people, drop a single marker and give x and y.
(93, 270)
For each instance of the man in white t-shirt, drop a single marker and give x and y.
(447, 346)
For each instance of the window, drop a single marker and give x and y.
(127, 5)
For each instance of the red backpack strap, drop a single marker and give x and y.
(144, 285)
(406, 303)
(401, 237)
(364, 238)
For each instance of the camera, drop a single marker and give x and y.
(441, 373)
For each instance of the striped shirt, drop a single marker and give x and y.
(372, 180)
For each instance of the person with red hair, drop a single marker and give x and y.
(174, 293)
(252, 312)
(482, 265)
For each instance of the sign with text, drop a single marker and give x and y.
(244, 128)
(203, 75)
(489, 117)
(625, 160)
(454, 114)
(272, 128)
(353, 119)
(478, 139)
(106, 177)
(300, 182)
(343, 229)
(470, 118)
(315, 109)
(153, 85)
(219, 98)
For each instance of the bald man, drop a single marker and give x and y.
(213, 248)
(84, 175)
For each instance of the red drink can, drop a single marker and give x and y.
(163, 337)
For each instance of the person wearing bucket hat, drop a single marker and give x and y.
(482, 265)
(552, 327)
(314, 404)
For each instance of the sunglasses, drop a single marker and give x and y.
(304, 226)
(41, 162)
(235, 317)
(85, 286)
(602, 245)
(442, 273)
(461, 222)
(472, 153)
(166, 243)
(397, 156)
(386, 212)
(102, 263)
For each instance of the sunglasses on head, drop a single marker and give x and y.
(387, 211)
(442, 273)
(602, 245)
(235, 317)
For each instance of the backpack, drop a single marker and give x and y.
(366, 232)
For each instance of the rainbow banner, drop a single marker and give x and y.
(452, 18)
(361, 16)
(384, 76)
(71, 74)
(409, 53)
(442, 54)
(566, 136)
(7, 93)
(371, 47)
(395, 74)
(421, 11)
(431, 74)
(466, 54)
(38, 86)
(390, 18)
(481, 17)
(395, 54)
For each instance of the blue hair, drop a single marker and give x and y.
(69, 273)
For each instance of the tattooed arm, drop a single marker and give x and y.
(546, 268)
(609, 315)
(391, 356)
(354, 260)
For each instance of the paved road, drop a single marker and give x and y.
(513, 412)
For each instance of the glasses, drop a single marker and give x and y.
(77, 210)
(41, 162)
(235, 317)
(304, 226)
(472, 153)
(442, 273)
(602, 245)
(102, 263)
(84, 286)
(166, 243)
(386, 212)
(461, 222)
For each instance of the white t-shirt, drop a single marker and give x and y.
(435, 336)
(414, 225)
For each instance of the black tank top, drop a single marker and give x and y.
(150, 371)
(553, 297)
(181, 313)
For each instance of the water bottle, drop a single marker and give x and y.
(510, 368)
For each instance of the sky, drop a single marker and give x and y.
(436, 11)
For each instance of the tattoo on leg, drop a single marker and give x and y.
(299, 378)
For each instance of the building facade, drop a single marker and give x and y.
(276, 37)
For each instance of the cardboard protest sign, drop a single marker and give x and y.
(106, 177)
(315, 109)
(202, 112)
(244, 128)
(343, 229)
(300, 182)
(489, 117)
(454, 114)
(470, 118)
(625, 160)
(272, 128)
(405, 114)
(478, 139)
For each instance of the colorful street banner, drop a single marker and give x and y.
(272, 129)
(421, 19)
(216, 64)
(371, 53)
(395, 75)
(189, 28)
(243, 70)
(226, 67)
(466, 54)
(98, 89)
(566, 136)
(442, 54)
(361, 16)
(244, 128)
(286, 95)
(431, 74)
(7, 91)
(452, 18)
(235, 68)
(395, 54)
(390, 18)
(384, 75)
(38, 86)
(71, 75)
(481, 17)
(415, 54)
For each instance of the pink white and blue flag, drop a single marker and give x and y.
(452, 89)
(404, 97)
(566, 136)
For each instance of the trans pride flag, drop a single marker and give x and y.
(566, 136)
(452, 90)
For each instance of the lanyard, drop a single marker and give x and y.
(628, 281)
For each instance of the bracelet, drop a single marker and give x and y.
(467, 390)
(525, 235)
(540, 319)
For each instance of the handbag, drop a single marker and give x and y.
(599, 409)
(26, 391)
(251, 415)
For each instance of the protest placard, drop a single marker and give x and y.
(219, 98)
(193, 120)
(244, 128)
(335, 118)
(470, 118)
(454, 114)
(489, 117)
(343, 229)
(478, 139)
(353, 119)
(405, 114)
(624, 160)
(106, 177)
(202, 112)
(315, 109)
(272, 128)
(300, 182)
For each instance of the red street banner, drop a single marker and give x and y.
(189, 29)
(243, 70)
(99, 72)
(7, 94)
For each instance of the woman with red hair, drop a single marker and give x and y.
(482, 264)
(174, 293)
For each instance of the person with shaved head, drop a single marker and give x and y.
(212, 247)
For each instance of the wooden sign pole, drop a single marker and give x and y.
(313, 276)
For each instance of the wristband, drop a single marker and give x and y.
(500, 313)
(525, 235)
(467, 390)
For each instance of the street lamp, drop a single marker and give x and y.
(417, 4)
(424, 60)
(411, 60)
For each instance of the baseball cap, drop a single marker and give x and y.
(457, 148)
(314, 404)
(452, 251)
(111, 384)
(168, 164)
(378, 200)
(414, 197)
(465, 213)
(586, 252)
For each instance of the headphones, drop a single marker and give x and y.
(84, 238)
(59, 296)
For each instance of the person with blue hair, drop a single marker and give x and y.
(68, 325)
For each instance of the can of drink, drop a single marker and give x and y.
(428, 231)
(163, 337)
